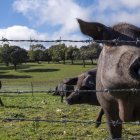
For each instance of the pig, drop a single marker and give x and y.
(84, 93)
(65, 87)
(118, 68)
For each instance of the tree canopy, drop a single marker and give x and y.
(60, 52)
(13, 54)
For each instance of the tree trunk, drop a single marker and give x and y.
(84, 63)
(64, 61)
(92, 61)
(0, 85)
(7, 63)
(15, 67)
(72, 61)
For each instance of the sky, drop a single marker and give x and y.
(52, 19)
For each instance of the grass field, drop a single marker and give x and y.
(43, 74)
(48, 107)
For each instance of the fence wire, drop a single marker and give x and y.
(132, 90)
(65, 121)
(115, 123)
(114, 41)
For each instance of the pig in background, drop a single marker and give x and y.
(85, 93)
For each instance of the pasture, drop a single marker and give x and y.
(44, 106)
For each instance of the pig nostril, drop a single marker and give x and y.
(134, 69)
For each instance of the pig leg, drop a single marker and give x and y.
(62, 94)
(61, 99)
(115, 128)
(99, 118)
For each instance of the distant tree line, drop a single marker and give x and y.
(16, 55)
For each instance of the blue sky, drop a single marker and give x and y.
(50, 19)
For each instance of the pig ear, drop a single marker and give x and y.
(95, 30)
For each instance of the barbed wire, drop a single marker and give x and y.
(133, 90)
(115, 123)
(115, 41)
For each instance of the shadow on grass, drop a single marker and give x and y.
(14, 76)
(81, 64)
(41, 70)
(7, 68)
(32, 65)
(24, 66)
(12, 67)
(2, 72)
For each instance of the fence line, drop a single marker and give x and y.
(116, 41)
(115, 123)
(133, 90)
(65, 121)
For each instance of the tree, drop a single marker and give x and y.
(17, 56)
(54, 53)
(90, 52)
(63, 49)
(38, 55)
(83, 54)
(47, 56)
(93, 51)
(58, 52)
(72, 53)
(5, 54)
(13, 54)
(36, 52)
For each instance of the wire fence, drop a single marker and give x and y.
(114, 41)
(115, 123)
(65, 121)
(6, 93)
(50, 91)
(133, 90)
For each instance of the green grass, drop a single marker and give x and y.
(48, 107)
(44, 74)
